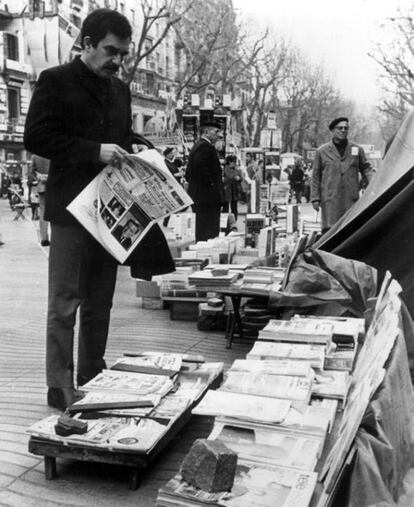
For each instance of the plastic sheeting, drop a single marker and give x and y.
(326, 284)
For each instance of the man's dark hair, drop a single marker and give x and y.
(100, 22)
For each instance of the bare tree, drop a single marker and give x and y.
(166, 14)
(303, 101)
(210, 41)
(267, 64)
(394, 53)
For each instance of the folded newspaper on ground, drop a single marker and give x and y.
(121, 204)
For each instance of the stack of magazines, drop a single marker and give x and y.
(275, 409)
(135, 403)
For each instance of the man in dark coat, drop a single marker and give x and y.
(296, 180)
(80, 119)
(205, 182)
(338, 169)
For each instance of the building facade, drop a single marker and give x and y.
(37, 34)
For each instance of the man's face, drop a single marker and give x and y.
(340, 131)
(213, 134)
(106, 58)
(130, 230)
(219, 141)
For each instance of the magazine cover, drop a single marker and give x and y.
(243, 406)
(121, 204)
(127, 433)
(269, 446)
(128, 382)
(275, 386)
(273, 367)
(315, 354)
(255, 485)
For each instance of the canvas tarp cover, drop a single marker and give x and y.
(379, 228)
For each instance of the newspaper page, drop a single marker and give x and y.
(120, 205)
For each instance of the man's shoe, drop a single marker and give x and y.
(62, 397)
(45, 242)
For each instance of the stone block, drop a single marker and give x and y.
(210, 465)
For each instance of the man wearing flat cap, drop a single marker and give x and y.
(338, 169)
(205, 182)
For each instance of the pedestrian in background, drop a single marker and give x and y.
(232, 185)
(205, 182)
(255, 180)
(338, 168)
(34, 198)
(80, 119)
(41, 166)
(296, 180)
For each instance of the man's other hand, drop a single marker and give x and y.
(111, 154)
(316, 205)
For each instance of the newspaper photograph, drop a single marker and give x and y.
(120, 205)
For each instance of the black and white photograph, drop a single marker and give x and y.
(206, 257)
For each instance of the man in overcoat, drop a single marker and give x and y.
(205, 182)
(338, 169)
(80, 119)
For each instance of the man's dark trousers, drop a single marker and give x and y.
(207, 223)
(82, 274)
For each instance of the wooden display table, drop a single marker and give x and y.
(136, 460)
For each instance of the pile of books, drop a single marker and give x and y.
(217, 279)
(288, 218)
(262, 281)
(135, 403)
(217, 250)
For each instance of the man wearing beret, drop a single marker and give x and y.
(205, 182)
(338, 168)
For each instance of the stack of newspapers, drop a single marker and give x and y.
(135, 403)
(275, 409)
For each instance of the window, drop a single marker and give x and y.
(13, 100)
(11, 46)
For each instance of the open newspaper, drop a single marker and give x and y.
(121, 204)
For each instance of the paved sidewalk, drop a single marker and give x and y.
(23, 294)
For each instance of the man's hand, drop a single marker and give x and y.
(137, 148)
(316, 205)
(111, 154)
